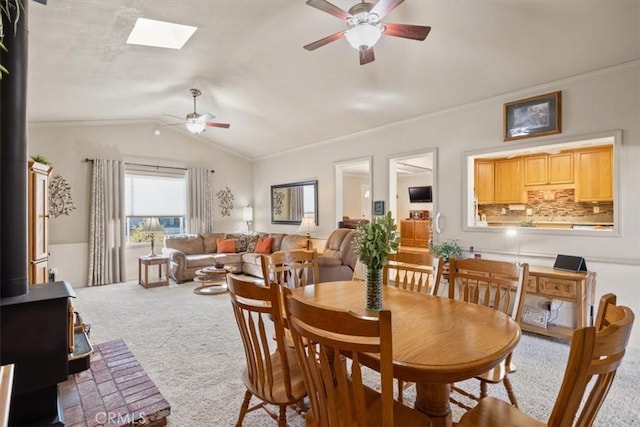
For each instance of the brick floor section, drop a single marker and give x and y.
(114, 392)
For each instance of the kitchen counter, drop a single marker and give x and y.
(568, 222)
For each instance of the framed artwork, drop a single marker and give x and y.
(535, 116)
(378, 207)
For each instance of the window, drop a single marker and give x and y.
(152, 192)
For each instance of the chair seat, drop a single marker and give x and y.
(402, 415)
(492, 412)
(277, 395)
(497, 374)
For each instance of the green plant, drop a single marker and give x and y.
(527, 223)
(10, 11)
(446, 249)
(40, 159)
(374, 241)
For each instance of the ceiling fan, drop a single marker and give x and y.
(197, 123)
(365, 26)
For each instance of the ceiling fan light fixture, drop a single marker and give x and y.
(195, 126)
(363, 35)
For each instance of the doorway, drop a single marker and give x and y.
(353, 189)
(415, 170)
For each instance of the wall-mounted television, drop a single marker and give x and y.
(420, 194)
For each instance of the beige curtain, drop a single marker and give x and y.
(107, 223)
(297, 203)
(199, 201)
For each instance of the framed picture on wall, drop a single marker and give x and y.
(378, 207)
(535, 116)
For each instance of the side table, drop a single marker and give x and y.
(162, 279)
(213, 280)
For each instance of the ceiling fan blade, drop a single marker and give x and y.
(385, 6)
(175, 117)
(218, 125)
(415, 32)
(366, 55)
(319, 43)
(329, 8)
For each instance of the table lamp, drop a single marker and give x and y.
(247, 216)
(308, 225)
(151, 226)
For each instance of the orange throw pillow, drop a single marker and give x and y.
(264, 245)
(225, 246)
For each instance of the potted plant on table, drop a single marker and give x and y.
(372, 244)
(446, 250)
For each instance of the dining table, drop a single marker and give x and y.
(436, 340)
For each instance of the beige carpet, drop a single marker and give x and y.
(190, 347)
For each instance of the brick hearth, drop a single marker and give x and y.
(115, 391)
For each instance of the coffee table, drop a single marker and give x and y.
(213, 280)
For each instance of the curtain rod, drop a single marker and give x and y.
(88, 160)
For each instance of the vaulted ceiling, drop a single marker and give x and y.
(247, 59)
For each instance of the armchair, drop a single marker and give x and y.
(337, 260)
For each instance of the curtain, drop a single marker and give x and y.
(107, 223)
(297, 203)
(199, 201)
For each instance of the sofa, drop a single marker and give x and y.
(191, 252)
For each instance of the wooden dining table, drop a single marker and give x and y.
(436, 340)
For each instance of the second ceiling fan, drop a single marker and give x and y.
(365, 26)
(198, 123)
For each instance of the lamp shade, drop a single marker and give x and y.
(152, 225)
(247, 214)
(363, 35)
(307, 225)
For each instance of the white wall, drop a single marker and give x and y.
(66, 147)
(595, 102)
(351, 197)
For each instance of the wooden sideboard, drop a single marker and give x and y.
(577, 288)
(415, 232)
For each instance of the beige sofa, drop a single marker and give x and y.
(189, 253)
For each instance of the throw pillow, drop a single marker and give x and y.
(263, 246)
(251, 245)
(226, 246)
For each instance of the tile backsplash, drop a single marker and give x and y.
(556, 204)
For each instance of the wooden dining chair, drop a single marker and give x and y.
(500, 285)
(272, 375)
(594, 357)
(291, 268)
(416, 272)
(323, 338)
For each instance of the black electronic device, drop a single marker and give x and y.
(570, 263)
(421, 194)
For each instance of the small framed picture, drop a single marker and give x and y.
(535, 116)
(378, 207)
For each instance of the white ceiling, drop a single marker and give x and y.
(248, 60)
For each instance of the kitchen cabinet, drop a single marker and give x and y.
(38, 222)
(548, 169)
(509, 182)
(576, 288)
(594, 175)
(484, 181)
(415, 232)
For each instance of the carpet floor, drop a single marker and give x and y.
(190, 347)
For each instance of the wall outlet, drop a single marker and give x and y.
(504, 211)
(529, 212)
(555, 304)
(596, 209)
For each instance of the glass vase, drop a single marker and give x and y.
(373, 281)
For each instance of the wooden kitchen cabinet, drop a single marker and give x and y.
(38, 222)
(415, 232)
(509, 181)
(548, 169)
(484, 181)
(575, 288)
(594, 175)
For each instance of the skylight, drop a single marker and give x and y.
(148, 32)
